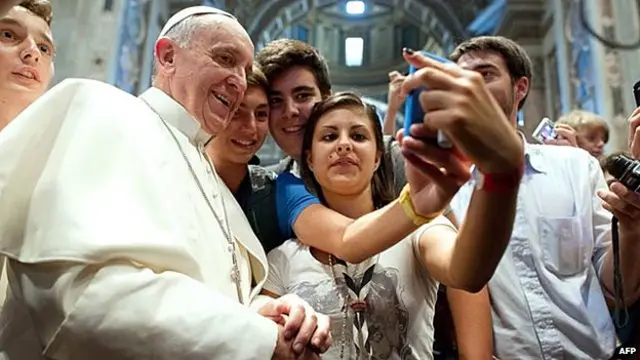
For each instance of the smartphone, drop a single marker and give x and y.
(546, 130)
(636, 93)
(413, 113)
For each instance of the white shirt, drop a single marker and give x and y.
(400, 297)
(547, 302)
(114, 252)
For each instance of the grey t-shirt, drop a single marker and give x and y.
(392, 148)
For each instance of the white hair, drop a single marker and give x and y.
(182, 32)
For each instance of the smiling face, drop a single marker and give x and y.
(26, 56)
(344, 155)
(247, 130)
(292, 97)
(207, 75)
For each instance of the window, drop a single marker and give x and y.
(353, 49)
(355, 7)
(108, 6)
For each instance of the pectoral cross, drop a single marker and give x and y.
(235, 269)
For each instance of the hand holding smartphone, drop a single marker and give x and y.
(413, 113)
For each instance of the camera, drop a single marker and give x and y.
(626, 170)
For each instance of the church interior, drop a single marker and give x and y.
(112, 41)
(558, 226)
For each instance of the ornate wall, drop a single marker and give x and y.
(572, 70)
(113, 41)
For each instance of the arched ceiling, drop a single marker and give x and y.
(256, 14)
(386, 27)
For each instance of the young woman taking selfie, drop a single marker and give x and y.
(382, 307)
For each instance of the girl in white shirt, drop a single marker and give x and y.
(381, 308)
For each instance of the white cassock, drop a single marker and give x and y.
(114, 252)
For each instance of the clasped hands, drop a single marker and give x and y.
(459, 104)
(302, 333)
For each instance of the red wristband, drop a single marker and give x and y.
(499, 182)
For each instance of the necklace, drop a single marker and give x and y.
(351, 297)
(345, 309)
(224, 226)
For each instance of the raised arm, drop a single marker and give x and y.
(467, 260)
(318, 226)
(395, 99)
(462, 107)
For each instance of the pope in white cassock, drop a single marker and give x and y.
(122, 241)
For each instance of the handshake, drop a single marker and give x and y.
(302, 333)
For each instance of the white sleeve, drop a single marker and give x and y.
(278, 270)
(122, 312)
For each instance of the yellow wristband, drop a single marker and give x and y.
(409, 210)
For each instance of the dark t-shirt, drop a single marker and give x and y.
(257, 198)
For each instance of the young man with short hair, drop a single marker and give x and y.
(548, 291)
(298, 79)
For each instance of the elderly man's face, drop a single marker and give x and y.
(208, 76)
(26, 56)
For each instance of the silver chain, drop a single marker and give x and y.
(224, 226)
(343, 293)
(345, 299)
